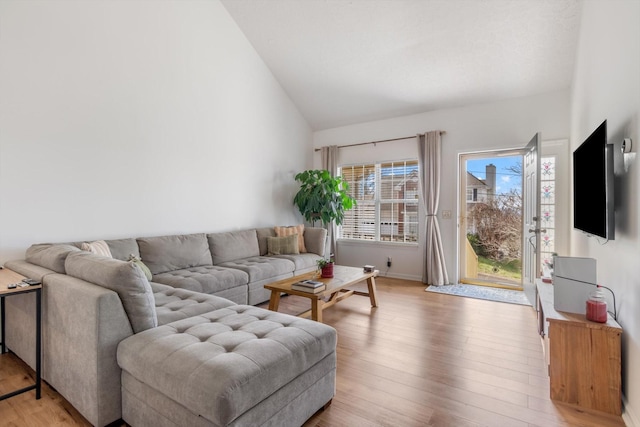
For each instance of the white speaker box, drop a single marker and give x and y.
(573, 280)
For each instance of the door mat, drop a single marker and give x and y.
(482, 292)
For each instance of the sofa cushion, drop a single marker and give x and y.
(125, 278)
(208, 279)
(294, 229)
(50, 256)
(263, 233)
(168, 253)
(303, 262)
(261, 268)
(123, 248)
(283, 245)
(99, 247)
(223, 363)
(233, 245)
(176, 304)
(315, 240)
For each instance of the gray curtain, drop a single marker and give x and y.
(435, 268)
(330, 163)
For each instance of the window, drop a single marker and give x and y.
(386, 202)
(472, 194)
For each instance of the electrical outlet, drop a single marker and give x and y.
(388, 261)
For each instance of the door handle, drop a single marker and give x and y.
(537, 230)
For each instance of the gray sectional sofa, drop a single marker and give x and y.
(187, 347)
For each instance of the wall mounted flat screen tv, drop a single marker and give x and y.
(593, 209)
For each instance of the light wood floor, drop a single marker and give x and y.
(419, 359)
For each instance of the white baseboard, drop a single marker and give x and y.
(400, 276)
(629, 416)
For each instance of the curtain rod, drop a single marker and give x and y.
(442, 132)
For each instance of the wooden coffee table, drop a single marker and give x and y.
(336, 291)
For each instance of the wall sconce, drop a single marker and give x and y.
(627, 146)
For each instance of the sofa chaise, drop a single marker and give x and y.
(187, 347)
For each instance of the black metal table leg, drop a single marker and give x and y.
(4, 346)
(38, 383)
(38, 341)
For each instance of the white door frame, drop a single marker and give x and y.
(462, 199)
(558, 148)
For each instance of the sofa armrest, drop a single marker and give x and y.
(82, 325)
(28, 269)
(315, 239)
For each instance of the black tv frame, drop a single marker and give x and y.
(593, 190)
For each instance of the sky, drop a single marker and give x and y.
(505, 179)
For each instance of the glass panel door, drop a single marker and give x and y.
(491, 219)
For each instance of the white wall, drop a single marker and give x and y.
(121, 119)
(607, 86)
(501, 125)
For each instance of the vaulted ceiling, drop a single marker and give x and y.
(351, 61)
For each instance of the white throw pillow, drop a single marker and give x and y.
(99, 247)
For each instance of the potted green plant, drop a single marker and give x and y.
(326, 267)
(322, 197)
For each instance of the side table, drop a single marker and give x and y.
(8, 277)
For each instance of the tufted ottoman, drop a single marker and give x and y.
(235, 366)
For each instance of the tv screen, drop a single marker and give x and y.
(593, 185)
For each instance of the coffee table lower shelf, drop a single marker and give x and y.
(336, 289)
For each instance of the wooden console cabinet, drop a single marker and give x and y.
(584, 357)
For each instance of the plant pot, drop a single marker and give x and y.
(327, 271)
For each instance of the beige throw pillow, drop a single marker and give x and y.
(295, 229)
(137, 261)
(287, 245)
(99, 247)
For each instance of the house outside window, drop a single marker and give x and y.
(479, 191)
(387, 198)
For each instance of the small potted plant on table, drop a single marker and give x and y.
(326, 267)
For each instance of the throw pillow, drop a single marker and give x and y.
(287, 245)
(294, 229)
(137, 261)
(99, 247)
